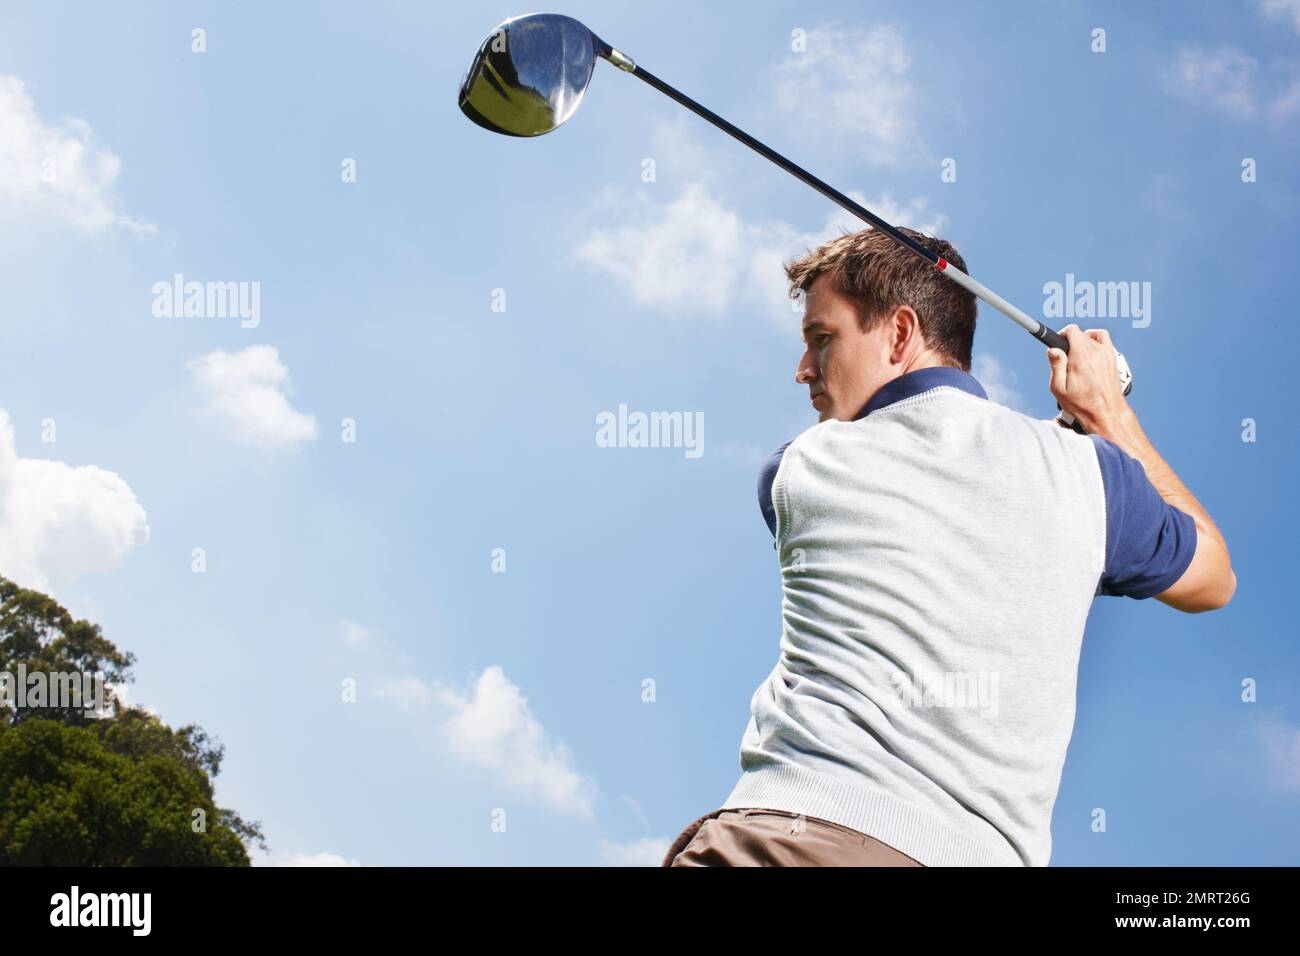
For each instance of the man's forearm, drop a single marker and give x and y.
(1126, 432)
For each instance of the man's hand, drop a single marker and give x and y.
(1086, 382)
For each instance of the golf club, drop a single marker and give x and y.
(529, 77)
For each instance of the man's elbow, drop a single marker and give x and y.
(1207, 596)
(1213, 566)
(1217, 599)
(1229, 591)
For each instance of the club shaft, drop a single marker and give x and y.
(1035, 328)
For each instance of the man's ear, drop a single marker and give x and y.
(904, 324)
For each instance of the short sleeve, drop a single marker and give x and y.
(765, 479)
(1149, 542)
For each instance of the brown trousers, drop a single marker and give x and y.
(761, 837)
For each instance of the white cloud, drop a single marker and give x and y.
(1281, 10)
(689, 252)
(248, 390)
(998, 381)
(852, 86)
(58, 521)
(680, 156)
(386, 668)
(493, 728)
(693, 255)
(57, 169)
(409, 693)
(1223, 79)
(1227, 80)
(353, 634)
(489, 726)
(124, 693)
(314, 859)
(648, 851)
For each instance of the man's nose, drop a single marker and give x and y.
(806, 372)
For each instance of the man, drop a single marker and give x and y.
(939, 555)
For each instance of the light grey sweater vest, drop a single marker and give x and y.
(938, 559)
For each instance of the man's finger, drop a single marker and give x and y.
(1057, 359)
(1072, 334)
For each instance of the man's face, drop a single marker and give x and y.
(841, 365)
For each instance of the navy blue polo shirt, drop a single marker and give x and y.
(1149, 542)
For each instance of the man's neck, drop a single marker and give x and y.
(924, 360)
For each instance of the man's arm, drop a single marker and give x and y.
(1209, 581)
(1085, 385)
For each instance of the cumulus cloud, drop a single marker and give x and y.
(1228, 80)
(58, 521)
(648, 851)
(692, 248)
(57, 169)
(693, 255)
(852, 85)
(488, 725)
(492, 727)
(248, 390)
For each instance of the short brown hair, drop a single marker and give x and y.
(879, 275)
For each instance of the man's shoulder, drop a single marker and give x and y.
(1048, 429)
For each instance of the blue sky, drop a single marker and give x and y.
(485, 696)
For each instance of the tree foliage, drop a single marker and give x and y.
(121, 789)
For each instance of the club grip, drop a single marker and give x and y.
(1055, 340)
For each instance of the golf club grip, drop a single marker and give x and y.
(1054, 340)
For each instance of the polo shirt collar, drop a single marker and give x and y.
(922, 380)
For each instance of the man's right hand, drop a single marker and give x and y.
(1086, 382)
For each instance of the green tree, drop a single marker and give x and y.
(37, 634)
(122, 789)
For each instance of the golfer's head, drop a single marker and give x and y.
(874, 310)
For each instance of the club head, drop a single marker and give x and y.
(529, 75)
